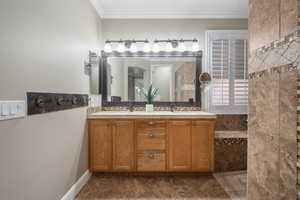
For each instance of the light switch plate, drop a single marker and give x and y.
(4, 109)
(12, 109)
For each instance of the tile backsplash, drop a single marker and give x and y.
(94, 100)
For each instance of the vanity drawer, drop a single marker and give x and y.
(141, 124)
(151, 140)
(151, 161)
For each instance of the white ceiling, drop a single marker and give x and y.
(171, 8)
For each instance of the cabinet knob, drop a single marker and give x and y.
(151, 135)
(151, 155)
(151, 123)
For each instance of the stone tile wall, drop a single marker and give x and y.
(272, 128)
(272, 148)
(231, 123)
(270, 20)
(230, 154)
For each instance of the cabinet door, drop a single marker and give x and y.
(179, 145)
(123, 145)
(202, 146)
(100, 145)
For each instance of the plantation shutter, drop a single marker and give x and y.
(239, 63)
(227, 63)
(220, 72)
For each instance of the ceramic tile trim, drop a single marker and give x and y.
(279, 69)
(281, 42)
(230, 141)
(298, 134)
(156, 108)
(298, 112)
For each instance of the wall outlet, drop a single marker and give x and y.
(12, 109)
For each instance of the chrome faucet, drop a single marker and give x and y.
(173, 107)
(130, 107)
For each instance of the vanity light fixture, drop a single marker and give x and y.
(169, 47)
(195, 46)
(181, 46)
(156, 48)
(121, 47)
(133, 47)
(107, 47)
(147, 47)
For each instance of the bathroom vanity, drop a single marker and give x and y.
(151, 142)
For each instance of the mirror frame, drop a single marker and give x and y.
(103, 77)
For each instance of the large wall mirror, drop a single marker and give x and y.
(124, 76)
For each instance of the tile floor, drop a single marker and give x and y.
(222, 186)
(234, 183)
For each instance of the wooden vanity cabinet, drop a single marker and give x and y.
(146, 145)
(151, 145)
(180, 150)
(191, 145)
(202, 137)
(111, 145)
(100, 145)
(123, 145)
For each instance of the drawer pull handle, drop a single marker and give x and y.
(151, 155)
(151, 123)
(151, 135)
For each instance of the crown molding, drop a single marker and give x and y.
(191, 14)
(166, 14)
(98, 6)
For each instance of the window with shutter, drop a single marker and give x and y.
(227, 63)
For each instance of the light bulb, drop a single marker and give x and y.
(169, 47)
(107, 47)
(133, 48)
(121, 48)
(195, 46)
(181, 47)
(147, 47)
(155, 48)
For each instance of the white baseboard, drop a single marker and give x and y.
(75, 189)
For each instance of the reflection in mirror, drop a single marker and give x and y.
(128, 77)
(94, 79)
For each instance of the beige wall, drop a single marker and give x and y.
(43, 46)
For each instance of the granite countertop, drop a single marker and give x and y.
(152, 115)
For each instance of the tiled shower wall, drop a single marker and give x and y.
(272, 128)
